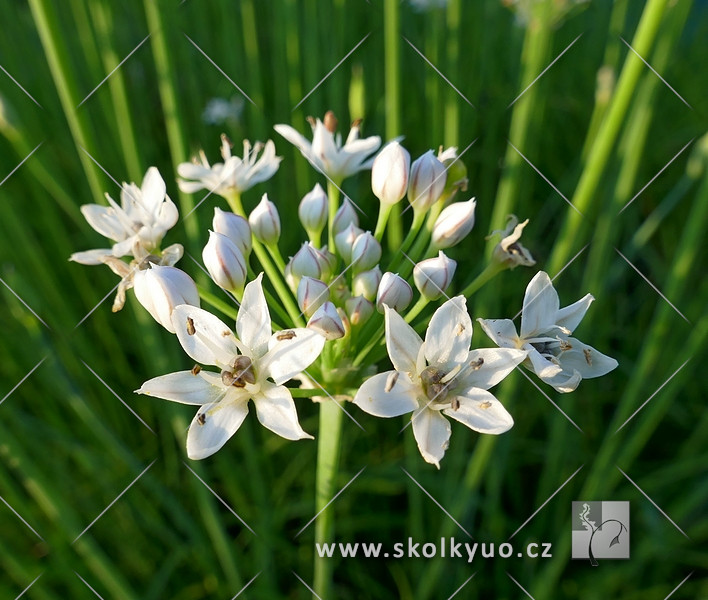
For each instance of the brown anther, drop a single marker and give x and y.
(356, 123)
(460, 329)
(312, 121)
(225, 333)
(565, 345)
(285, 335)
(201, 419)
(455, 404)
(476, 364)
(588, 358)
(190, 326)
(486, 404)
(196, 369)
(224, 138)
(391, 381)
(330, 121)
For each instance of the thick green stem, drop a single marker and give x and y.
(384, 214)
(489, 273)
(333, 196)
(417, 307)
(392, 66)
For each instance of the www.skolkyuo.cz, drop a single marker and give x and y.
(445, 548)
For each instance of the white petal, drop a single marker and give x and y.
(253, 320)
(214, 424)
(295, 138)
(192, 171)
(540, 365)
(564, 382)
(501, 331)
(289, 353)
(276, 411)
(488, 366)
(91, 257)
(432, 432)
(401, 397)
(481, 411)
(183, 387)
(167, 216)
(570, 316)
(586, 360)
(104, 220)
(211, 343)
(189, 187)
(402, 342)
(540, 306)
(153, 191)
(447, 341)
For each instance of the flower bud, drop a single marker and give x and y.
(160, 289)
(265, 222)
(427, 182)
(456, 171)
(327, 261)
(327, 322)
(433, 275)
(453, 224)
(311, 294)
(509, 250)
(225, 263)
(313, 211)
(359, 310)
(235, 227)
(366, 283)
(389, 173)
(345, 216)
(344, 241)
(394, 292)
(366, 252)
(306, 263)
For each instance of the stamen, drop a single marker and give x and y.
(201, 419)
(588, 359)
(391, 381)
(196, 369)
(190, 326)
(285, 335)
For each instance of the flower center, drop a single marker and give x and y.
(436, 384)
(240, 373)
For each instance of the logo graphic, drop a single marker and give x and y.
(600, 530)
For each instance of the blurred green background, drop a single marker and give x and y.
(599, 125)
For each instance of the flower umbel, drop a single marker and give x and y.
(559, 360)
(253, 366)
(440, 375)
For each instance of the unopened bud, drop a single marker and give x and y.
(327, 322)
(433, 275)
(359, 310)
(389, 173)
(225, 263)
(366, 252)
(427, 182)
(306, 263)
(311, 294)
(327, 261)
(453, 224)
(344, 241)
(265, 222)
(160, 289)
(313, 211)
(394, 292)
(235, 227)
(345, 216)
(367, 283)
(456, 171)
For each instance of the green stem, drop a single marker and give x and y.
(384, 214)
(490, 271)
(392, 67)
(333, 196)
(417, 307)
(277, 257)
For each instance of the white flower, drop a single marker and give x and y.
(235, 174)
(558, 359)
(390, 172)
(326, 151)
(253, 366)
(440, 375)
(509, 251)
(137, 226)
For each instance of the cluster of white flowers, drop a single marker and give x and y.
(354, 295)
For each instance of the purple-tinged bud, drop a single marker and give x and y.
(394, 292)
(366, 252)
(344, 241)
(225, 263)
(328, 263)
(265, 222)
(235, 227)
(367, 283)
(453, 224)
(327, 322)
(389, 173)
(427, 182)
(306, 263)
(345, 216)
(359, 310)
(313, 211)
(433, 275)
(311, 294)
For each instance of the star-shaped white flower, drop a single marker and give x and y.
(440, 375)
(559, 360)
(235, 174)
(326, 151)
(137, 226)
(253, 366)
